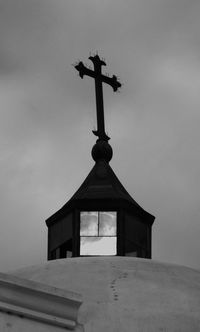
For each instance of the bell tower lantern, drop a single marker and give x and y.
(101, 218)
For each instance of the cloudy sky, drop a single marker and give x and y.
(47, 114)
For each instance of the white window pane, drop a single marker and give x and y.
(101, 246)
(89, 223)
(107, 223)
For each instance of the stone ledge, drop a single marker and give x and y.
(39, 302)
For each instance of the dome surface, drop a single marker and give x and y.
(125, 294)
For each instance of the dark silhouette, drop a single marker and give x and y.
(99, 79)
(101, 202)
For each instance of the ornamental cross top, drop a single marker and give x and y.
(99, 79)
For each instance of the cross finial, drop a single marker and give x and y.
(99, 79)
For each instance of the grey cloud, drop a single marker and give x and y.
(47, 114)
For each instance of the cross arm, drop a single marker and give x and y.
(112, 81)
(83, 70)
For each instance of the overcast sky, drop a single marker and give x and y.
(48, 113)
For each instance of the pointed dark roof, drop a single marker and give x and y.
(101, 185)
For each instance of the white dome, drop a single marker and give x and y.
(124, 294)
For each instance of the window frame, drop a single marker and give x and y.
(98, 236)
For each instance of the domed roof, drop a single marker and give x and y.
(126, 294)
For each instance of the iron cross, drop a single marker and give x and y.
(99, 79)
